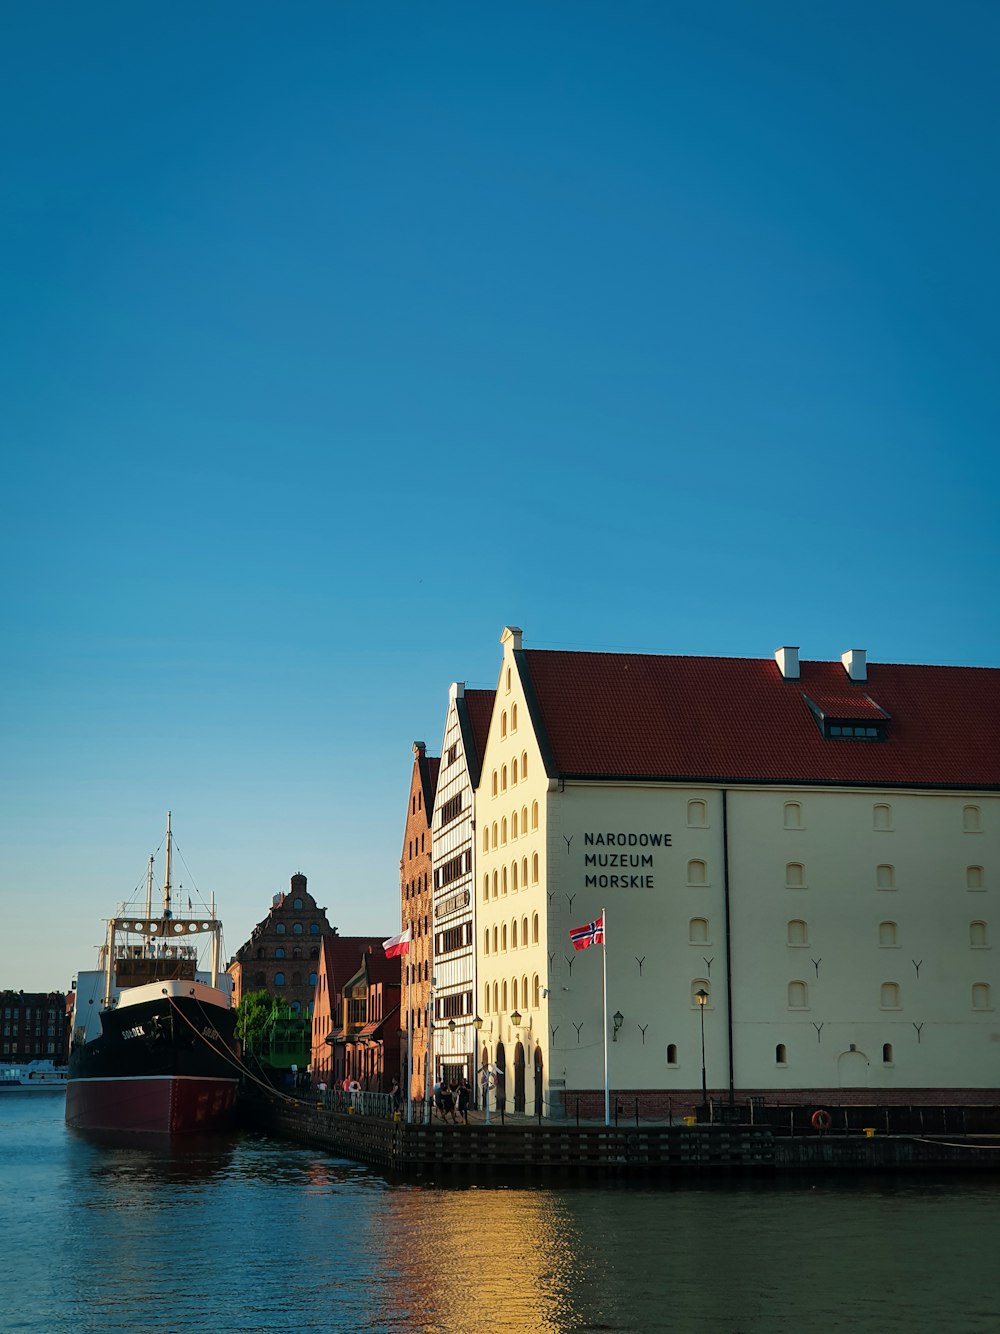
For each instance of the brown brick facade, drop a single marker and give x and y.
(34, 1027)
(282, 954)
(415, 898)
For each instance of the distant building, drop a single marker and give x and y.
(34, 1026)
(366, 1040)
(338, 964)
(282, 954)
(453, 854)
(415, 893)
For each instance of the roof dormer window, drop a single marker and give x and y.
(866, 721)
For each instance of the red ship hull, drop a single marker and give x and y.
(152, 1105)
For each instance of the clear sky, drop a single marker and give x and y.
(336, 336)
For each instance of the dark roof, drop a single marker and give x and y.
(475, 709)
(341, 955)
(621, 715)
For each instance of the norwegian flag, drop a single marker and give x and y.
(591, 934)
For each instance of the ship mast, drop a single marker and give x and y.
(167, 914)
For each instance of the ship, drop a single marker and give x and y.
(33, 1077)
(152, 1036)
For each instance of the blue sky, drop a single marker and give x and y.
(337, 336)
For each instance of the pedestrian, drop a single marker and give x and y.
(448, 1101)
(395, 1094)
(438, 1100)
(463, 1099)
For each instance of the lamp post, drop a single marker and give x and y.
(701, 996)
(484, 1079)
(617, 1019)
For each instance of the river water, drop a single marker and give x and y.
(249, 1234)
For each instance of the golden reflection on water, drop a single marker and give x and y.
(501, 1260)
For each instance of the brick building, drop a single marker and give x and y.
(283, 952)
(415, 896)
(34, 1026)
(365, 1040)
(338, 964)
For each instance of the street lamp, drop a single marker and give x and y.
(484, 1079)
(515, 1018)
(701, 996)
(617, 1019)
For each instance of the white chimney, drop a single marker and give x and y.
(511, 635)
(854, 664)
(788, 662)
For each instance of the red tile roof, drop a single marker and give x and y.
(618, 715)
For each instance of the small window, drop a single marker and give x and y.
(780, 1058)
(793, 815)
(536, 992)
(513, 934)
(524, 811)
(279, 979)
(524, 930)
(297, 905)
(486, 838)
(495, 929)
(494, 782)
(494, 884)
(534, 869)
(885, 877)
(974, 877)
(978, 936)
(508, 681)
(981, 996)
(534, 928)
(534, 815)
(972, 820)
(503, 723)
(887, 1053)
(524, 764)
(697, 814)
(503, 880)
(797, 932)
(296, 928)
(795, 876)
(513, 717)
(496, 835)
(486, 998)
(889, 996)
(503, 832)
(314, 928)
(486, 888)
(503, 778)
(798, 996)
(524, 873)
(671, 1053)
(513, 877)
(698, 931)
(882, 816)
(486, 941)
(697, 872)
(887, 935)
(279, 930)
(503, 941)
(513, 772)
(279, 953)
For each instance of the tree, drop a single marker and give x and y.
(253, 1019)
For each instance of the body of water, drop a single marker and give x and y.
(250, 1234)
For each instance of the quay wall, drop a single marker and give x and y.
(560, 1150)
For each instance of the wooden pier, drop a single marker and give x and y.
(559, 1150)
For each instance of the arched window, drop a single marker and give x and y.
(280, 929)
(887, 935)
(503, 778)
(697, 872)
(524, 819)
(513, 934)
(524, 930)
(495, 940)
(314, 952)
(503, 880)
(279, 979)
(312, 979)
(798, 996)
(513, 771)
(534, 928)
(798, 932)
(524, 872)
(314, 928)
(508, 680)
(504, 994)
(536, 992)
(698, 931)
(671, 1053)
(496, 835)
(297, 905)
(887, 1053)
(793, 815)
(524, 990)
(889, 996)
(503, 832)
(486, 838)
(885, 877)
(494, 884)
(296, 1007)
(513, 993)
(513, 877)
(524, 764)
(486, 998)
(972, 822)
(981, 996)
(503, 723)
(513, 717)
(486, 941)
(780, 1058)
(882, 815)
(978, 936)
(486, 887)
(973, 877)
(496, 995)
(297, 929)
(503, 937)
(296, 979)
(534, 815)
(513, 823)
(697, 814)
(279, 953)
(494, 782)
(297, 952)
(795, 876)
(534, 868)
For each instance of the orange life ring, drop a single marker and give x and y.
(821, 1120)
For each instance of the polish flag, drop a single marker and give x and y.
(396, 945)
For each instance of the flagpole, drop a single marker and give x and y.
(604, 961)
